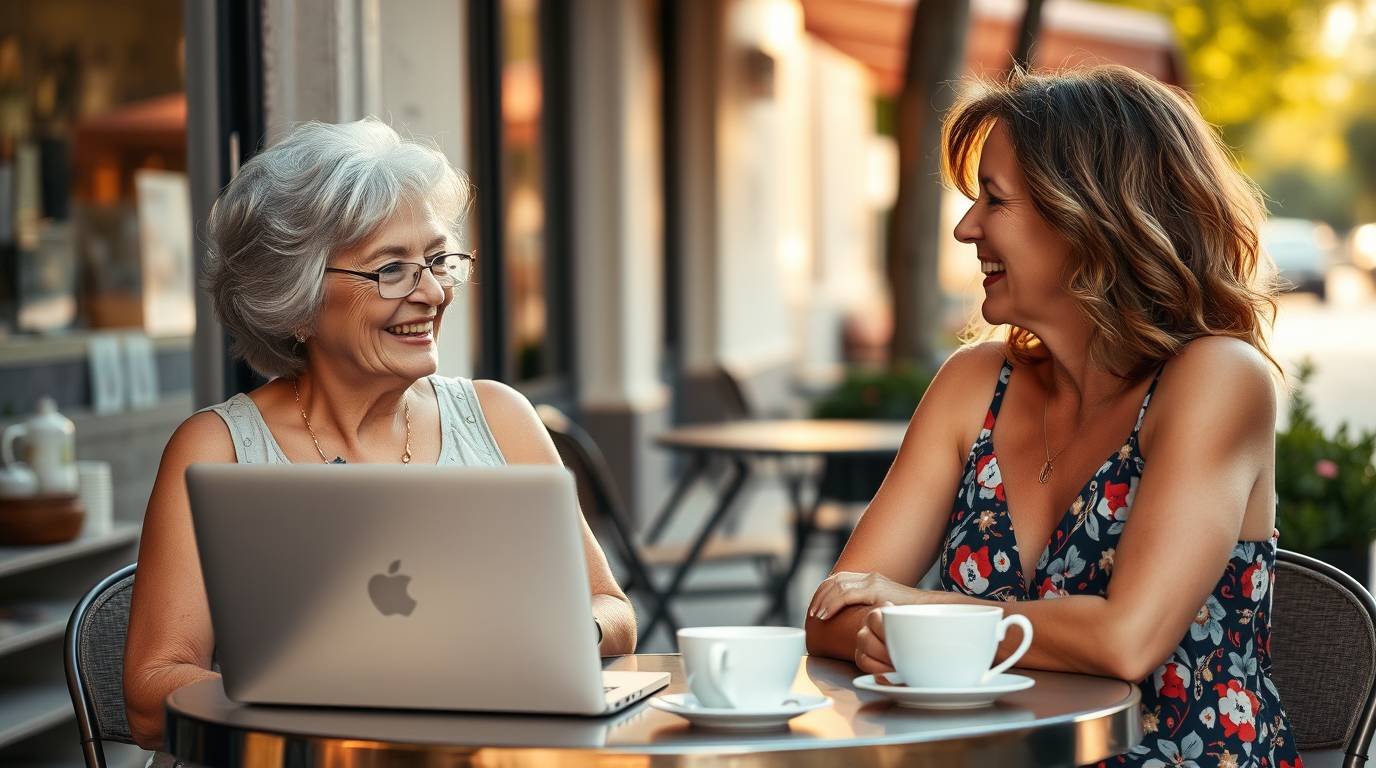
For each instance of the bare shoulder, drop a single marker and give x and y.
(1220, 368)
(202, 438)
(1220, 381)
(514, 423)
(973, 362)
(501, 401)
(968, 374)
(953, 407)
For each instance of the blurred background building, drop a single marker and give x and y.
(666, 192)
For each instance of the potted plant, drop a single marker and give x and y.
(1326, 486)
(874, 394)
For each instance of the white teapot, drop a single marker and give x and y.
(49, 448)
(17, 481)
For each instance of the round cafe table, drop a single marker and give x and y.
(741, 444)
(1064, 720)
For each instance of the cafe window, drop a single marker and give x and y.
(95, 225)
(520, 135)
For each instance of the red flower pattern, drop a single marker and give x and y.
(1171, 684)
(971, 568)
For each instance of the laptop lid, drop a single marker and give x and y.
(398, 586)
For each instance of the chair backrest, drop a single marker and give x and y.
(94, 657)
(597, 495)
(1323, 648)
(734, 399)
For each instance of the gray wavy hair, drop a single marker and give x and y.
(323, 189)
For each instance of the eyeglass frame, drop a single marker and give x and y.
(471, 258)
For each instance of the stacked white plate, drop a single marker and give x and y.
(97, 492)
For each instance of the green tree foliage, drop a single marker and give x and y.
(1246, 59)
(1361, 148)
(1289, 83)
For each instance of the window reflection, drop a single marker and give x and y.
(95, 225)
(524, 186)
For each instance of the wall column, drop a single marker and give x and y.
(618, 240)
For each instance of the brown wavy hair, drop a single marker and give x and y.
(1162, 225)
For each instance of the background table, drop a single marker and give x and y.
(1064, 720)
(741, 441)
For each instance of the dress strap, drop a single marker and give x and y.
(999, 389)
(1146, 401)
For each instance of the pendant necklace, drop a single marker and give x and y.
(1050, 464)
(405, 454)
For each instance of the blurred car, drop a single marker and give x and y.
(1302, 250)
(1363, 247)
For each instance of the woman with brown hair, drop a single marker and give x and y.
(1125, 464)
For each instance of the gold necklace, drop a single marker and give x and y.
(1045, 475)
(406, 406)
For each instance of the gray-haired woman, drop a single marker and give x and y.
(333, 262)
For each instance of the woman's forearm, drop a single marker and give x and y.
(145, 697)
(1077, 633)
(616, 617)
(1089, 634)
(835, 637)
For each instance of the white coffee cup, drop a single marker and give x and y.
(949, 646)
(741, 667)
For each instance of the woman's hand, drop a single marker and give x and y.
(871, 654)
(847, 588)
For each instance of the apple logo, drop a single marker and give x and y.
(388, 592)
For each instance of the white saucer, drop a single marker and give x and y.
(686, 705)
(947, 698)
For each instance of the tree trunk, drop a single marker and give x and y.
(1027, 34)
(936, 58)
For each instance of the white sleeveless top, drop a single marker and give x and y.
(465, 438)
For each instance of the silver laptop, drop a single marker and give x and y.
(402, 586)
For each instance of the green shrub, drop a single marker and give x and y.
(886, 393)
(1326, 484)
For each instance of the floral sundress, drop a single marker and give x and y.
(1213, 701)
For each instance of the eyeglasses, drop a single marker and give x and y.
(399, 280)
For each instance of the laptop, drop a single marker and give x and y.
(416, 587)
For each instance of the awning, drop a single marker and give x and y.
(1073, 33)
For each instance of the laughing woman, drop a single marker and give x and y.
(1108, 471)
(333, 263)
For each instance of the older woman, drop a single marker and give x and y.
(1124, 462)
(333, 263)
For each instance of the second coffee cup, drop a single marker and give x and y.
(741, 667)
(949, 646)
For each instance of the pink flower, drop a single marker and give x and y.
(1325, 468)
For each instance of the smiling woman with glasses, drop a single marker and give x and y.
(332, 264)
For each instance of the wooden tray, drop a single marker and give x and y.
(41, 519)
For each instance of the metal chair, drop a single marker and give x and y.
(94, 658)
(606, 514)
(1323, 648)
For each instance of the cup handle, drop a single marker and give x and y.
(12, 433)
(716, 671)
(1026, 626)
